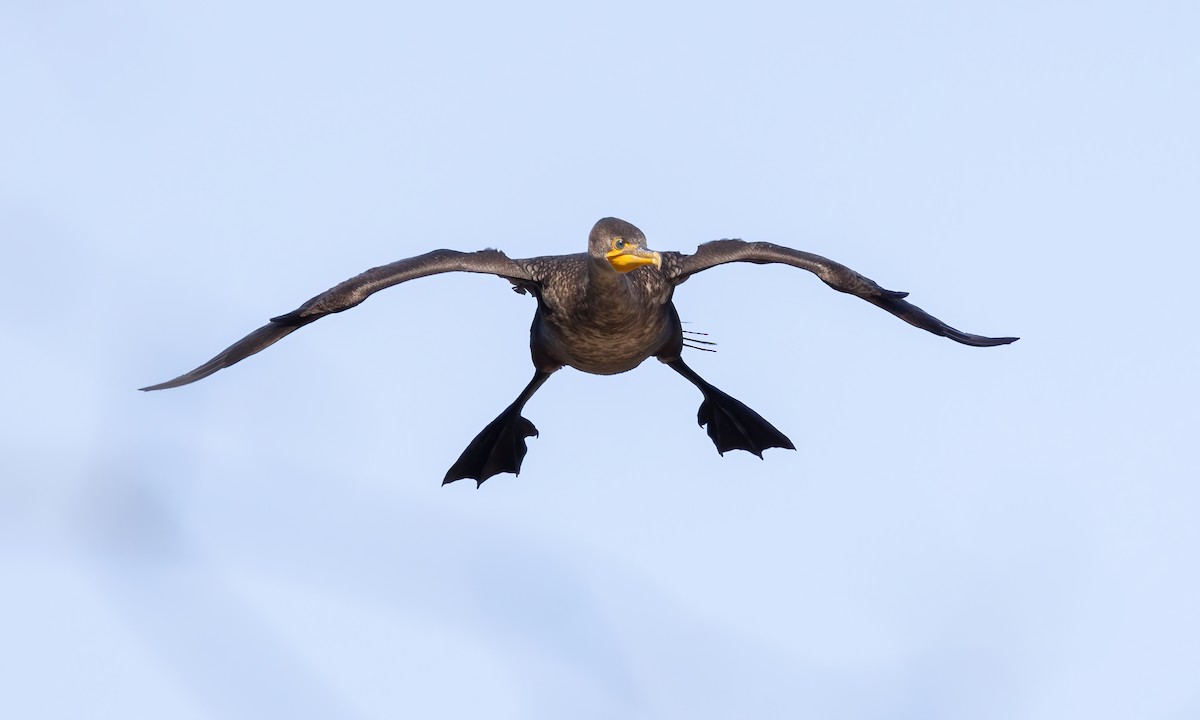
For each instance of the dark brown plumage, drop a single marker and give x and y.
(603, 312)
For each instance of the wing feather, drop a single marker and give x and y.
(835, 275)
(346, 295)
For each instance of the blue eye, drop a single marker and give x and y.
(619, 244)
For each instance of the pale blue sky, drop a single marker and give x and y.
(963, 533)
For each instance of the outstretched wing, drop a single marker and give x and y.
(835, 275)
(350, 293)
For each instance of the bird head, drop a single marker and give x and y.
(621, 245)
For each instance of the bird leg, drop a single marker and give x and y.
(731, 425)
(499, 447)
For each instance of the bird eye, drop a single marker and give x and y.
(619, 244)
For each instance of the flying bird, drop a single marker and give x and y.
(603, 311)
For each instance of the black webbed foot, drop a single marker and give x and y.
(498, 448)
(733, 426)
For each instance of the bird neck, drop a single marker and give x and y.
(603, 277)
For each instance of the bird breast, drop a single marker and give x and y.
(604, 345)
(603, 333)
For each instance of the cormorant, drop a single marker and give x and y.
(603, 311)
